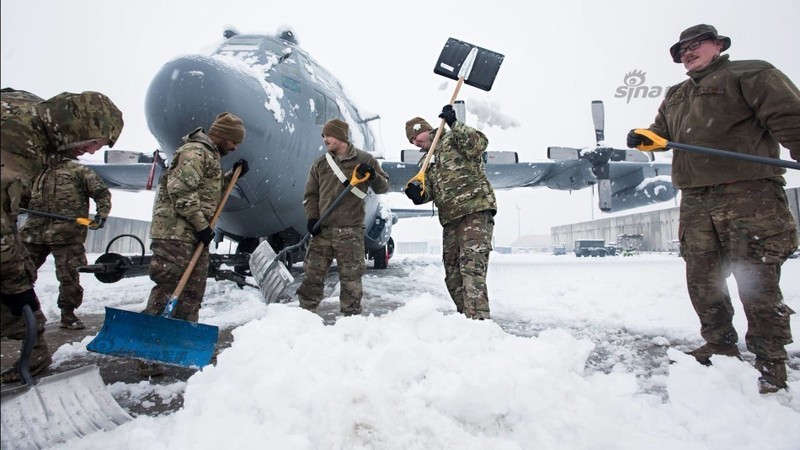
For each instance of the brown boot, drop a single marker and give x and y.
(773, 376)
(704, 353)
(11, 375)
(70, 321)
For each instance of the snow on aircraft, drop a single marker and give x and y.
(284, 97)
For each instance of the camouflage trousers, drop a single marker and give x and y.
(346, 245)
(744, 229)
(169, 262)
(67, 259)
(13, 327)
(17, 272)
(466, 244)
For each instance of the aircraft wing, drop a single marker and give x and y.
(622, 184)
(502, 176)
(126, 176)
(406, 213)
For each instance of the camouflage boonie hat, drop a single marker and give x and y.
(71, 119)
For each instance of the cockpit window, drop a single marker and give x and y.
(241, 44)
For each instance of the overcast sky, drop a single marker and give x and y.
(558, 58)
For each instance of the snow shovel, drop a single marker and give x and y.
(85, 221)
(476, 67)
(161, 338)
(57, 408)
(272, 276)
(661, 143)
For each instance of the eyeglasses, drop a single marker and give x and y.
(693, 46)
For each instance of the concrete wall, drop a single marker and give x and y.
(657, 227)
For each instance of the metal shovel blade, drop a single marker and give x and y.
(60, 407)
(270, 273)
(169, 341)
(484, 68)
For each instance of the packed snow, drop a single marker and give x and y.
(580, 353)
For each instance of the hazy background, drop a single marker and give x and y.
(558, 58)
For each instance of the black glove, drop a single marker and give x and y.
(634, 140)
(99, 222)
(310, 227)
(245, 167)
(414, 192)
(15, 302)
(206, 235)
(449, 115)
(365, 169)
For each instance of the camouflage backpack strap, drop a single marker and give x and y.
(342, 177)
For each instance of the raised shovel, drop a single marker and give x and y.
(468, 64)
(161, 338)
(56, 408)
(266, 266)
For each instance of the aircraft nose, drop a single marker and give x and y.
(189, 92)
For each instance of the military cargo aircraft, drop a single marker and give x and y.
(284, 97)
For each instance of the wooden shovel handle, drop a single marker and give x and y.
(200, 246)
(420, 176)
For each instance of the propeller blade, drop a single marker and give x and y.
(598, 116)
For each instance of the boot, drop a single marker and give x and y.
(704, 353)
(11, 375)
(147, 369)
(773, 376)
(70, 321)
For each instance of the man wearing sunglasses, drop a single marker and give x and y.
(734, 216)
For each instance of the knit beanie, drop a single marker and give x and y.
(227, 126)
(335, 128)
(416, 126)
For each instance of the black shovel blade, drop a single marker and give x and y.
(484, 71)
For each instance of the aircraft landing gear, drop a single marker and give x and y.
(246, 245)
(382, 255)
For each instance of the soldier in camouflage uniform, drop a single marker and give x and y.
(457, 184)
(734, 216)
(65, 187)
(188, 194)
(341, 236)
(33, 132)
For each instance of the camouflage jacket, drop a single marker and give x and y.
(322, 188)
(65, 188)
(34, 130)
(189, 190)
(24, 141)
(741, 106)
(455, 179)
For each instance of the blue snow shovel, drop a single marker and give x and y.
(161, 338)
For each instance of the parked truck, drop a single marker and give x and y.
(590, 247)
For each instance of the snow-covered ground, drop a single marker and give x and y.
(581, 353)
